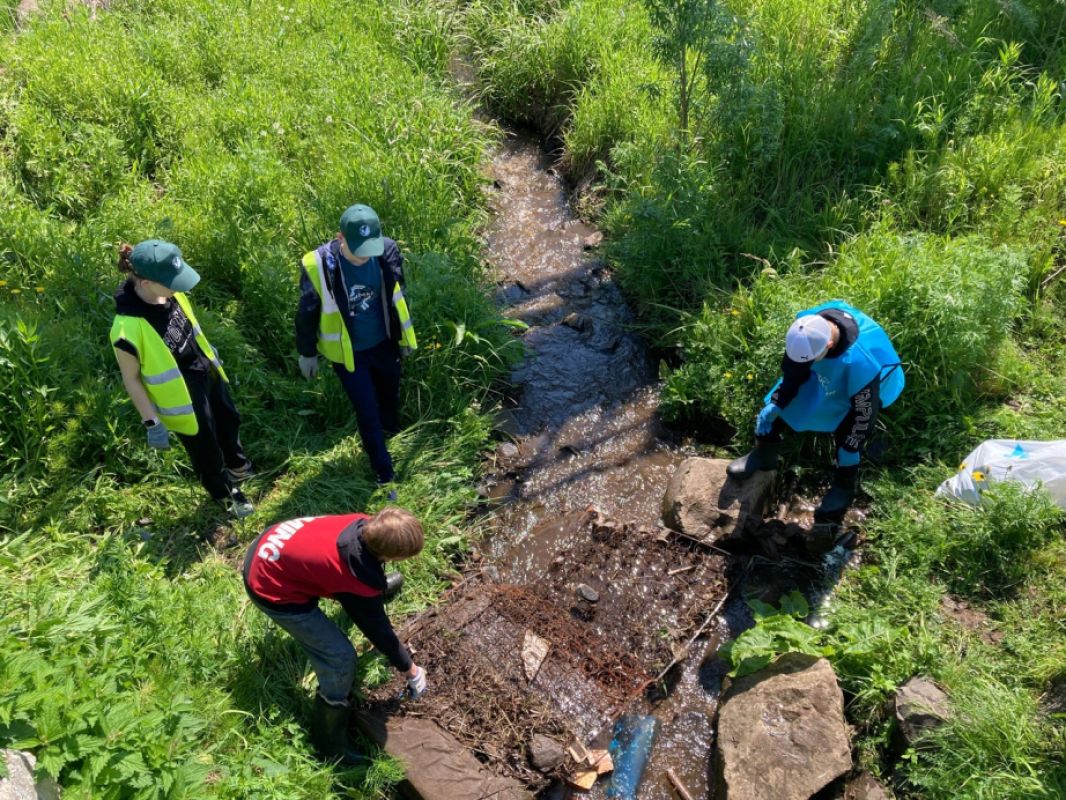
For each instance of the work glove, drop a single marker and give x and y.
(847, 458)
(157, 436)
(416, 686)
(765, 421)
(309, 366)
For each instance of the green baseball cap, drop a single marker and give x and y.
(361, 229)
(161, 262)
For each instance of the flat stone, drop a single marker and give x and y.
(586, 592)
(865, 786)
(545, 753)
(781, 732)
(921, 707)
(702, 501)
(438, 766)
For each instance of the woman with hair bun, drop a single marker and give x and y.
(172, 373)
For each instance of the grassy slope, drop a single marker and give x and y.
(129, 660)
(906, 158)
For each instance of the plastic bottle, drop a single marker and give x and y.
(630, 748)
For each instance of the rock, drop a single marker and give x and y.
(865, 786)
(19, 783)
(921, 707)
(1053, 700)
(586, 592)
(579, 322)
(781, 732)
(593, 240)
(703, 502)
(507, 450)
(545, 753)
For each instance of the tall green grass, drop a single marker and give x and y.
(129, 660)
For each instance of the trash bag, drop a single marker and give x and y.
(994, 460)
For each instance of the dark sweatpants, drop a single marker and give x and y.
(216, 444)
(374, 390)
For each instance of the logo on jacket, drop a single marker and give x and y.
(271, 546)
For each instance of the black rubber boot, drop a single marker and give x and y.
(393, 584)
(329, 733)
(763, 457)
(838, 498)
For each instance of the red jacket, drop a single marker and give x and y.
(300, 560)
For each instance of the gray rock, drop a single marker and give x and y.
(586, 592)
(20, 783)
(865, 786)
(921, 707)
(781, 732)
(545, 753)
(703, 502)
(507, 450)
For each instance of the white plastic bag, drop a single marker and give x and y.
(996, 460)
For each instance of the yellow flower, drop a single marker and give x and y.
(1062, 222)
(735, 313)
(3, 283)
(728, 375)
(16, 291)
(39, 290)
(749, 376)
(978, 475)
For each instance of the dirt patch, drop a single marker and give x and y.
(966, 616)
(612, 604)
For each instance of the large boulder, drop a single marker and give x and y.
(781, 732)
(702, 501)
(920, 708)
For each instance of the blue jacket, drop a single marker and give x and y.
(825, 398)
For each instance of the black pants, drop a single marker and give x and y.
(373, 388)
(216, 445)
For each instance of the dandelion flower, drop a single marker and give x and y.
(749, 376)
(39, 290)
(3, 283)
(1062, 222)
(728, 375)
(735, 313)
(16, 291)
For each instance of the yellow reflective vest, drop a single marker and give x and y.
(159, 371)
(334, 341)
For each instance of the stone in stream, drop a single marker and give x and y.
(781, 732)
(702, 501)
(920, 708)
(865, 786)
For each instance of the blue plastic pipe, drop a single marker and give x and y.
(630, 748)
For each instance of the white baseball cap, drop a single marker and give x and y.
(808, 338)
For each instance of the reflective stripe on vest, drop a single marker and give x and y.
(160, 374)
(407, 327)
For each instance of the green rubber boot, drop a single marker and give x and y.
(329, 733)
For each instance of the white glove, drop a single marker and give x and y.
(416, 686)
(309, 366)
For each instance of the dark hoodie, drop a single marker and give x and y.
(170, 322)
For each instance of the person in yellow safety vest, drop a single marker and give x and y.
(353, 311)
(172, 373)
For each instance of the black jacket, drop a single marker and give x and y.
(310, 305)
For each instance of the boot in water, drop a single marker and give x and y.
(763, 457)
(839, 497)
(329, 734)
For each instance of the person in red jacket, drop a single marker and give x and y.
(293, 564)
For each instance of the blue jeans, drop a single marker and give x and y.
(373, 387)
(330, 650)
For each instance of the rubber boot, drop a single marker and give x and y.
(838, 498)
(329, 734)
(393, 584)
(763, 457)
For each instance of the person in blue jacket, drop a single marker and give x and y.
(838, 372)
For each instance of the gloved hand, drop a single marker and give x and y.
(765, 421)
(846, 458)
(416, 686)
(157, 436)
(309, 366)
